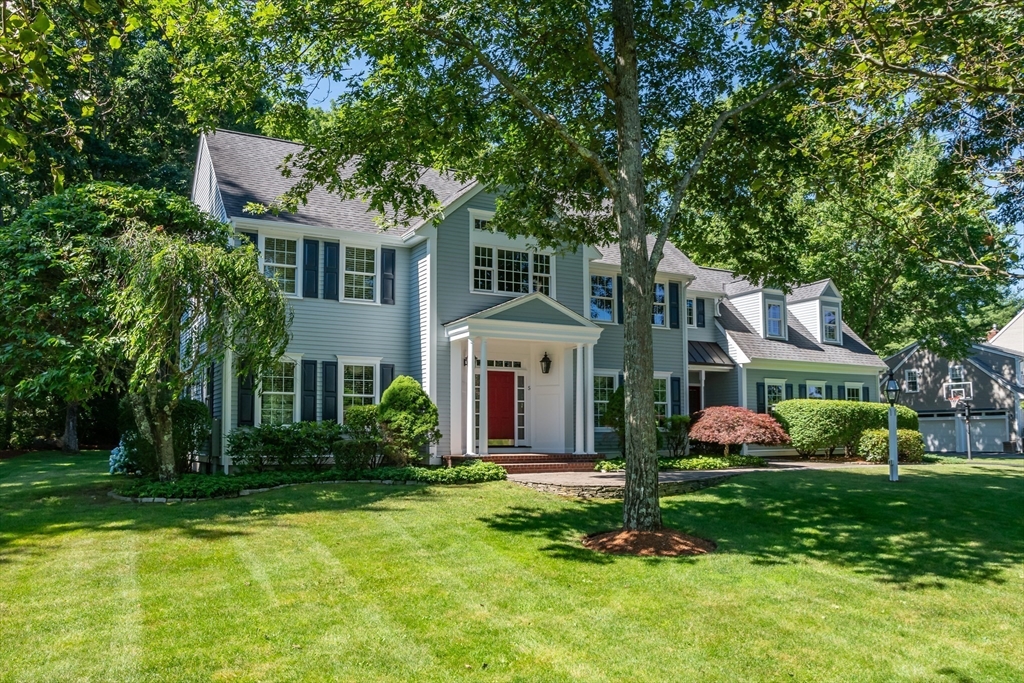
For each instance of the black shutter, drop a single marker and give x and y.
(842, 392)
(330, 407)
(700, 312)
(252, 237)
(828, 392)
(331, 252)
(677, 395)
(760, 397)
(387, 376)
(673, 306)
(865, 394)
(618, 297)
(803, 391)
(246, 402)
(789, 391)
(209, 387)
(310, 269)
(309, 391)
(622, 380)
(387, 276)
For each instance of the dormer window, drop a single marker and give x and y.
(830, 324)
(774, 323)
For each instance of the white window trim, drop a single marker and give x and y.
(614, 374)
(839, 325)
(690, 301)
(906, 380)
(357, 360)
(859, 386)
(663, 283)
(479, 214)
(494, 268)
(667, 376)
(262, 241)
(615, 297)
(295, 358)
(963, 373)
(782, 319)
(768, 381)
(811, 383)
(341, 272)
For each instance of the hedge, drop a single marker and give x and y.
(874, 445)
(816, 424)
(210, 486)
(701, 463)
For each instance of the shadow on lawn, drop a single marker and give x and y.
(931, 527)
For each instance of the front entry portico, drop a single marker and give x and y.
(501, 396)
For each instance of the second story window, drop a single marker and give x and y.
(912, 378)
(279, 262)
(360, 272)
(774, 323)
(691, 319)
(542, 274)
(602, 298)
(508, 271)
(830, 321)
(658, 315)
(956, 373)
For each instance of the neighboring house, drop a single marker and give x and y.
(1011, 337)
(443, 300)
(993, 376)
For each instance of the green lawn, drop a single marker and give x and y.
(827, 575)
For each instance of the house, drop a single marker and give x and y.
(519, 347)
(1011, 337)
(991, 378)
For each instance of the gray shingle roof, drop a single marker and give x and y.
(674, 260)
(808, 291)
(801, 345)
(247, 169)
(712, 280)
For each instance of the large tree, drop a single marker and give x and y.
(593, 120)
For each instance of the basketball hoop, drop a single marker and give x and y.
(957, 392)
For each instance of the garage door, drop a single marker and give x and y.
(988, 432)
(939, 434)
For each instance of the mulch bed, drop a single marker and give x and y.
(662, 543)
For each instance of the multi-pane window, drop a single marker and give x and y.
(658, 316)
(357, 385)
(507, 271)
(956, 373)
(360, 273)
(480, 223)
(279, 262)
(774, 320)
(852, 393)
(774, 392)
(815, 390)
(604, 387)
(277, 394)
(691, 316)
(602, 298)
(912, 376)
(831, 324)
(661, 397)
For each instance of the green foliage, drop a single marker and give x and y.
(210, 486)
(408, 419)
(192, 428)
(815, 424)
(298, 446)
(364, 446)
(699, 463)
(676, 431)
(873, 445)
(615, 417)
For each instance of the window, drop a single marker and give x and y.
(661, 397)
(357, 388)
(956, 373)
(360, 266)
(277, 395)
(480, 223)
(853, 392)
(658, 316)
(507, 271)
(774, 320)
(815, 389)
(604, 387)
(831, 325)
(279, 262)
(912, 375)
(774, 392)
(602, 298)
(691, 313)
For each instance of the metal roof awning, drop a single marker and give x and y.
(707, 353)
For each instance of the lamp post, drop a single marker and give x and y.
(892, 394)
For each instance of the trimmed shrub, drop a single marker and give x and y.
(874, 445)
(701, 463)
(303, 445)
(815, 424)
(676, 429)
(192, 428)
(363, 445)
(733, 426)
(408, 420)
(615, 417)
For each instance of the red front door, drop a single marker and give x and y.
(501, 408)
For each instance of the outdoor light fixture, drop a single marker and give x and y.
(892, 389)
(545, 364)
(892, 393)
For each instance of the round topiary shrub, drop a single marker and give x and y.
(874, 445)
(408, 419)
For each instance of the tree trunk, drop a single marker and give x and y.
(8, 425)
(641, 510)
(163, 434)
(70, 438)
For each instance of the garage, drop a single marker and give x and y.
(989, 431)
(939, 434)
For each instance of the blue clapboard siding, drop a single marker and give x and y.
(796, 378)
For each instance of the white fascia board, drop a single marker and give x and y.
(813, 366)
(915, 347)
(329, 234)
(514, 329)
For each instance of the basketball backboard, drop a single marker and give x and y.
(954, 392)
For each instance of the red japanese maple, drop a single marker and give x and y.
(733, 426)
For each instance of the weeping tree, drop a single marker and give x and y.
(593, 120)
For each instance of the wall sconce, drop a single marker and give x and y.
(545, 364)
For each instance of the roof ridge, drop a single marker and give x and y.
(257, 135)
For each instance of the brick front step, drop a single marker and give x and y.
(537, 468)
(537, 458)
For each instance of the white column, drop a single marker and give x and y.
(589, 427)
(227, 399)
(483, 396)
(470, 409)
(703, 401)
(580, 400)
(894, 468)
(457, 429)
